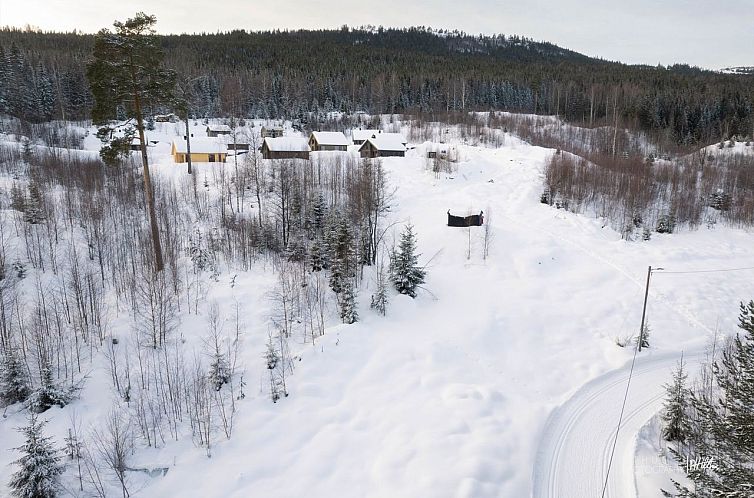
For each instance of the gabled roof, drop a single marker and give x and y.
(367, 134)
(330, 138)
(387, 141)
(219, 127)
(228, 139)
(361, 135)
(200, 146)
(287, 144)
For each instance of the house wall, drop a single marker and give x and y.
(199, 157)
(285, 154)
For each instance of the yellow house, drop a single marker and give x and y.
(203, 150)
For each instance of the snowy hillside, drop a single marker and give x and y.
(446, 396)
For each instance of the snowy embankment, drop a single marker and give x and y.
(578, 454)
(449, 394)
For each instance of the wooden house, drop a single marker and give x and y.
(285, 148)
(328, 140)
(203, 150)
(215, 130)
(383, 145)
(238, 142)
(166, 118)
(272, 131)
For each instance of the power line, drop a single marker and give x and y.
(706, 271)
(620, 420)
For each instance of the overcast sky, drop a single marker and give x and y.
(712, 34)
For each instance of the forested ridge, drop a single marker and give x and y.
(289, 74)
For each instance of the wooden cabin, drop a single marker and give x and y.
(383, 145)
(215, 130)
(203, 150)
(285, 148)
(166, 118)
(272, 131)
(328, 140)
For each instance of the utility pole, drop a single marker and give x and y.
(644, 309)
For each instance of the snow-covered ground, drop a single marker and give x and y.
(449, 394)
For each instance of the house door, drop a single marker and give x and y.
(211, 158)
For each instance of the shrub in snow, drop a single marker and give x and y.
(276, 358)
(19, 269)
(405, 272)
(646, 234)
(380, 298)
(720, 200)
(48, 394)
(40, 466)
(643, 338)
(666, 224)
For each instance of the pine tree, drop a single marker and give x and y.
(276, 358)
(348, 312)
(380, 298)
(721, 433)
(219, 372)
(316, 256)
(14, 380)
(125, 72)
(406, 274)
(33, 207)
(40, 466)
(48, 394)
(674, 413)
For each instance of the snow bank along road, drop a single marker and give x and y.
(574, 451)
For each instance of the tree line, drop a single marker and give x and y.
(307, 74)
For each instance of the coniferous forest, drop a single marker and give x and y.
(296, 74)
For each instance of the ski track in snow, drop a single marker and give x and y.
(574, 451)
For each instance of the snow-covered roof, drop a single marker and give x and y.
(240, 138)
(330, 138)
(287, 144)
(361, 135)
(387, 141)
(367, 134)
(219, 128)
(200, 146)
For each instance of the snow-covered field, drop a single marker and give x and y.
(447, 396)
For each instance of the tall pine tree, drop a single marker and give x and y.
(39, 475)
(125, 72)
(405, 272)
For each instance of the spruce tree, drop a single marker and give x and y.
(48, 394)
(674, 413)
(721, 435)
(348, 312)
(40, 466)
(406, 274)
(380, 298)
(14, 380)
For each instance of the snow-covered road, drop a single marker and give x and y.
(574, 451)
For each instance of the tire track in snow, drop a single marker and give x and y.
(576, 442)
